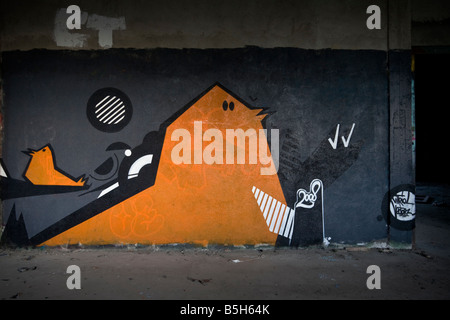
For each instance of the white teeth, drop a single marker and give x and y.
(279, 217)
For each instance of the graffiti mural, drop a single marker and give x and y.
(149, 152)
(156, 198)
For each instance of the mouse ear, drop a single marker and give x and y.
(118, 146)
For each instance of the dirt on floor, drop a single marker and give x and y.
(256, 273)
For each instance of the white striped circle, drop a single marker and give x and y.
(109, 110)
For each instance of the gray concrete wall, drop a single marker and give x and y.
(310, 24)
(318, 55)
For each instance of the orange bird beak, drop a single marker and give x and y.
(29, 152)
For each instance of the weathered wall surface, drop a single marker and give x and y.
(129, 123)
(430, 23)
(309, 24)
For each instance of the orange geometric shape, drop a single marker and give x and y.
(192, 203)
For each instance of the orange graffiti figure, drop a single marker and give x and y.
(41, 170)
(195, 201)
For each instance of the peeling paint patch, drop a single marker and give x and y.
(61, 34)
(104, 25)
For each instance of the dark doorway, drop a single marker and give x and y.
(432, 106)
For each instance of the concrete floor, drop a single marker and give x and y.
(255, 274)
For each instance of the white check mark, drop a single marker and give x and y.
(335, 141)
(347, 141)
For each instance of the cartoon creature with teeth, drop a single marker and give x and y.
(157, 199)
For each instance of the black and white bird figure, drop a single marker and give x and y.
(130, 170)
(109, 168)
(138, 171)
(104, 177)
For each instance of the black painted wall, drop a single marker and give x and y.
(308, 93)
(431, 92)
